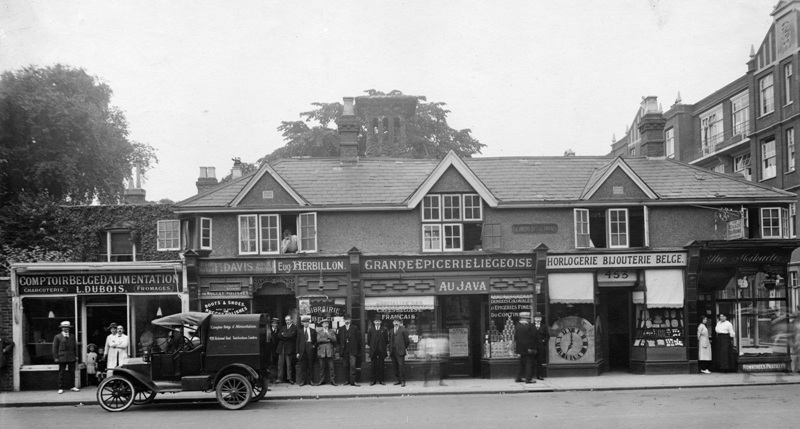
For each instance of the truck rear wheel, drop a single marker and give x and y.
(234, 391)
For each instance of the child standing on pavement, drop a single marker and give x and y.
(91, 363)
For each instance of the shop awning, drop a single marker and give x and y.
(664, 288)
(399, 303)
(571, 288)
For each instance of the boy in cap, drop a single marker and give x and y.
(65, 354)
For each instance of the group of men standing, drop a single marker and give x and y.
(531, 341)
(290, 344)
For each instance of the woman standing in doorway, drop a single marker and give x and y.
(703, 346)
(725, 358)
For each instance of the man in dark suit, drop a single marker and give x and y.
(306, 347)
(287, 338)
(65, 353)
(398, 343)
(350, 348)
(377, 339)
(540, 339)
(272, 348)
(524, 338)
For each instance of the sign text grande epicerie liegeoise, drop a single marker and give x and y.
(437, 263)
(97, 284)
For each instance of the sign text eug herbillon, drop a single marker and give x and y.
(96, 284)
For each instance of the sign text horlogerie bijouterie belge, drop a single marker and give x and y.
(663, 259)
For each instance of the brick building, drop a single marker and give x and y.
(620, 254)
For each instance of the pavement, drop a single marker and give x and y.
(605, 382)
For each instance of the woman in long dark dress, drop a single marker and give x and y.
(724, 352)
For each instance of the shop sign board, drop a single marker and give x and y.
(446, 263)
(260, 266)
(754, 257)
(97, 284)
(462, 285)
(308, 265)
(735, 229)
(612, 260)
(535, 228)
(764, 367)
(226, 306)
(459, 342)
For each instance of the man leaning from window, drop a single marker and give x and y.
(289, 242)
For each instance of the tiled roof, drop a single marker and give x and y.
(388, 182)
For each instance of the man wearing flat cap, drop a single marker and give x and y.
(65, 354)
(524, 337)
(398, 343)
(326, 343)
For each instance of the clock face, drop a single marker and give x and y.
(571, 343)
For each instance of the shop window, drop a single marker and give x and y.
(169, 235)
(765, 90)
(42, 317)
(492, 236)
(416, 313)
(609, 228)
(768, 166)
(262, 234)
(205, 233)
(504, 315)
(117, 246)
(143, 335)
(467, 234)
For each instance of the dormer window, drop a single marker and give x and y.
(451, 222)
(613, 228)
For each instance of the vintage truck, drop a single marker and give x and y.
(227, 354)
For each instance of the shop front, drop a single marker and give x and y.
(90, 297)
(467, 306)
(616, 312)
(747, 281)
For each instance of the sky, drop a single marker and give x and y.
(204, 81)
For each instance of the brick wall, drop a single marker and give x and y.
(6, 375)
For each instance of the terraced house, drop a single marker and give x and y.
(620, 255)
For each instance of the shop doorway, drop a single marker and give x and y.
(99, 315)
(461, 323)
(276, 306)
(615, 314)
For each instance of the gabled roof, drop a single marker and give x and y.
(399, 184)
(452, 160)
(598, 180)
(264, 169)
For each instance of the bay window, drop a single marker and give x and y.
(451, 222)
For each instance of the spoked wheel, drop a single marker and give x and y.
(259, 388)
(115, 394)
(144, 397)
(234, 391)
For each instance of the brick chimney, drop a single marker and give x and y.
(207, 179)
(236, 170)
(348, 133)
(134, 194)
(651, 128)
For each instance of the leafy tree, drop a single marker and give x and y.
(428, 134)
(60, 135)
